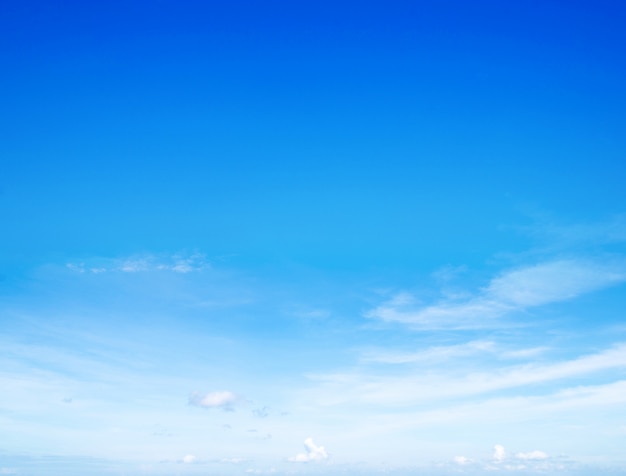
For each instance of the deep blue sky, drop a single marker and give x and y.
(319, 131)
(395, 228)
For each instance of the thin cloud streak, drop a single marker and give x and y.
(511, 291)
(412, 388)
(437, 354)
(177, 263)
(432, 354)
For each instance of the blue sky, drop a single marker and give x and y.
(312, 238)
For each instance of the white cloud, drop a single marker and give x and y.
(76, 267)
(524, 408)
(134, 265)
(8, 471)
(551, 282)
(461, 460)
(177, 263)
(498, 453)
(188, 459)
(532, 455)
(514, 290)
(312, 453)
(414, 387)
(447, 352)
(223, 400)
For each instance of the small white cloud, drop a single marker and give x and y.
(312, 453)
(532, 455)
(498, 453)
(223, 400)
(461, 460)
(188, 459)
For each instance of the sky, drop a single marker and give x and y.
(312, 238)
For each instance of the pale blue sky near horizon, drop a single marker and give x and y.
(312, 237)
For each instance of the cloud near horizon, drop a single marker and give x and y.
(532, 455)
(312, 453)
(499, 454)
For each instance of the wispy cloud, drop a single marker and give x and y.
(177, 263)
(410, 388)
(532, 462)
(576, 235)
(432, 354)
(439, 354)
(523, 353)
(514, 290)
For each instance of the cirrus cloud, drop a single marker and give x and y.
(513, 290)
